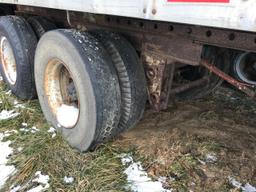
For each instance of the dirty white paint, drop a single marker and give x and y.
(236, 14)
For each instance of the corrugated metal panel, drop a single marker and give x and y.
(232, 14)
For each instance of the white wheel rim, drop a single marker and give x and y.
(8, 61)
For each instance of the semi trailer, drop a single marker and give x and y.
(95, 64)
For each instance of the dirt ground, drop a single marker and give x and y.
(194, 146)
(199, 145)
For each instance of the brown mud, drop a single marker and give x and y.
(198, 145)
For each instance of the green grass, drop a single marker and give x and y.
(100, 170)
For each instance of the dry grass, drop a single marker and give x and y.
(95, 171)
(174, 143)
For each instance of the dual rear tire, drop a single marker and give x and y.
(106, 94)
(91, 87)
(18, 42)
(17, 50)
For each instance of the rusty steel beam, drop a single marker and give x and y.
(244, 87)
(168, 86)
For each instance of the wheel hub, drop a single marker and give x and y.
(8, 61)
(245, 68)
(62, 93)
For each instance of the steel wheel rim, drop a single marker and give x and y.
(239, 68)
(8, 61)
(61, 90)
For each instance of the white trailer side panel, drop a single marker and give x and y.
(231, 14)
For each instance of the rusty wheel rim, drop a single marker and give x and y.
(8, 61)
(60, 89)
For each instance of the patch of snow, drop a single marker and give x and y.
(24, 124)
(245, 188)
(18, 105)
(1, 78)
(15, 188)
(202, 162)
(67, 115)
(8, 92)
(11, 131)
(42, 181)
(249, 188)
(211, 158)
(53, 131)
(5, 170)
(126, 159)
(5, 115)
(24, 130)
(27, 130)
(39, 188)
(162, 179)
(22, 106)
(138, 178)
(68, 180)
(34, 129)
(20, 149)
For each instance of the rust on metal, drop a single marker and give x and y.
(173, 48)
(168, 85)
(244, 87)
(155, 69)
(160, 74)
(190, 85)
(8, 60)
(60, 88)
(240, 40)
(160, 44)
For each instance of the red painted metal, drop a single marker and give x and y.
(200, 1)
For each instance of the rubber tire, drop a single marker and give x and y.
(23, 42)
(236, 57)
(221, 59)
(40, 25)
(233, 71)
(131, 77)
(96, 81)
